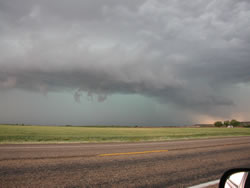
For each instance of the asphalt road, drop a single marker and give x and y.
(147, 164)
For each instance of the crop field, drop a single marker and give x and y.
(57, 134)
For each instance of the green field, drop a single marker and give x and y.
(55, 134)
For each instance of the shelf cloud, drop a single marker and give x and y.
(180, 52)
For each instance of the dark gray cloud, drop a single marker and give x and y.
(179, 52)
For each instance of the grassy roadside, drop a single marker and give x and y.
(55, 134)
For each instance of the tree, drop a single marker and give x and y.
(234, 123)
(218, 124)
(226, 123)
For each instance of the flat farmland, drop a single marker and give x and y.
(57, 134)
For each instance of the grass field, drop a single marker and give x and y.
(54, 134)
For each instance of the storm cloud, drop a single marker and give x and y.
(184, 53)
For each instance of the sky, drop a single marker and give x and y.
(116, 62)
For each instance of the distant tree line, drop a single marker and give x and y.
(226, 123)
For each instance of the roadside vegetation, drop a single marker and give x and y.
(56, 134)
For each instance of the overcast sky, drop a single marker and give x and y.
(134, 62)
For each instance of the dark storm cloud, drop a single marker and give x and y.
(178, 52)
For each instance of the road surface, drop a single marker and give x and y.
(148, 164)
